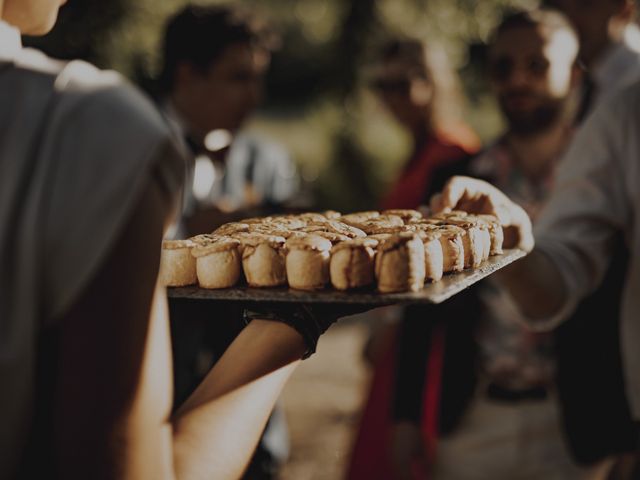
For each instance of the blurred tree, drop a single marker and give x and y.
(349, 172)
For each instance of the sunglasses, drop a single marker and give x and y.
(502, 68)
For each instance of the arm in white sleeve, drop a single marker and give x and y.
(589, 203)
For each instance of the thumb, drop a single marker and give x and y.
(525, 229)
(451, 194)
(435, 204)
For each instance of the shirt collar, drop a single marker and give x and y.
(10, 43)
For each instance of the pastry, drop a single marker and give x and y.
(335, 227)
(491, 232)
(218, 264)
(256, 220)
(206, 238)
(312, 217)
(451, 241)
(479, 234)
(433, 256)
(307, 262)
(177, 265)
(495, 232)
(332, 214)
(231, 228)
(359, 217)
(271, 229)
(400, 263)
(352, 263)
(288, 222)
(333, 237)
(381, 221)
(380, 236)
(407, 216)
(263, 260)
(474, 242)
(376, 230)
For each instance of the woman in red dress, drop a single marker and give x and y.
(419, 89)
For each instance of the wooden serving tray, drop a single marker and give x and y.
(436, 292)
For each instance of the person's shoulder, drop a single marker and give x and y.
(86, 97)
(104, 97)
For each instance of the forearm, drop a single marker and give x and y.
(536, 285)
(216, 430)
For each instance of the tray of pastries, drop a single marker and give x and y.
(377, 258)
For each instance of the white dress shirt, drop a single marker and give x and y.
(619, 66)
(597, 194)
(77, 146)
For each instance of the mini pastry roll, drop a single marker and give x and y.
(256, 220)
(312, 217)
(495, 232)
(307, 262)
(267, 229)
(390, 230)
(288, 222)
(332, 214)
(240, 235)
(358, 217)
(218, 265)
(345, 229)
(433, 255)
(293, 234)
(206, 238)
(380, 237)
(484, 235)
(407, 215)
(231, 228)
(451, 241)
(476, 243)
(486, 241)
(335, 227)
(455, 214)
(492, 235)
(400, 263)
(177, 266)
(381, 221)
(333, 237)
(263, 260)
(479, 233)
(352, 263)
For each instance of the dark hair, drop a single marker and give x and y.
(428, 60)
(409, 51)
(551, 20)
(199, 34)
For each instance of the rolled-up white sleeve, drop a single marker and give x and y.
(589, 203)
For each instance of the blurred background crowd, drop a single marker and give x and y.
(318, 100)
